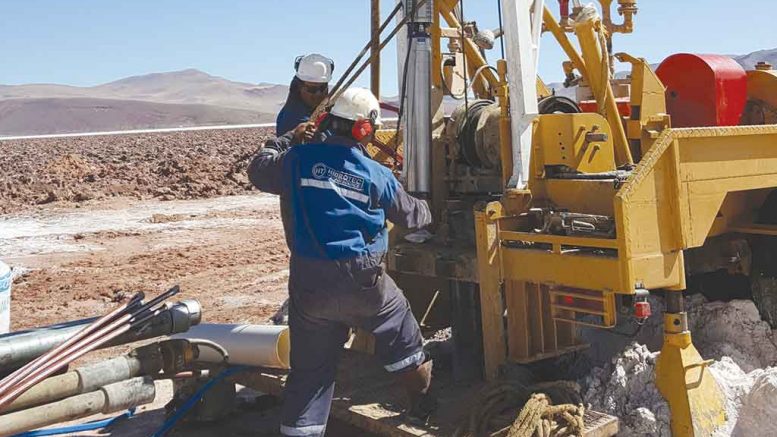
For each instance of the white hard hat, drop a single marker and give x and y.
(314, 68)
(357, 104)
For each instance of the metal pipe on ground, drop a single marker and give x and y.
(109, 399)
(135, 317)
(16, 349)
(87, 379)
(49, 352)
(139, 320)
(66, 356)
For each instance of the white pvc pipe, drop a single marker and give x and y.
(248, 345)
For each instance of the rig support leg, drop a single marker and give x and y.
(696, 403)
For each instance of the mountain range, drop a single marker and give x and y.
(159, 100)
(175, 99)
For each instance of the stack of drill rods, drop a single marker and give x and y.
(25, 370)
(119, 321)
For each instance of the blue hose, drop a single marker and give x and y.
(89, 426)
(192, 401)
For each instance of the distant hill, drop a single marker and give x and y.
(32, 116)
(174, 99)
(180, 98)
(749, 61)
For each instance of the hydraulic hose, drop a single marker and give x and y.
(192, 401)
(89, 426)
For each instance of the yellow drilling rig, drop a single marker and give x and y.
(555, 212)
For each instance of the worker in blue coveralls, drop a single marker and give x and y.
(335, 202)
(307, 90)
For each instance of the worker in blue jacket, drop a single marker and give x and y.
(307, 90)
(335, 202)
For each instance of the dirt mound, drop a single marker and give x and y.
(733, 329)
(758, 407)
(180, 165)
(730, 332)
(626, 388)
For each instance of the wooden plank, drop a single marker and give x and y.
(491, 308)
(599, 424)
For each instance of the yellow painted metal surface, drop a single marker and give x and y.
(589, 34)
(487, 243)
(570, 305)
(533, 331)
(542, 89)
(555, 28)
(505, 140)
(648, 105)
(682, 377)
(563, 140)
(475, 60)
(576, 271)
(586, 197)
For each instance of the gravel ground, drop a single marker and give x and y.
(180, 165)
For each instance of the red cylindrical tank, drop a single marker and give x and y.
(703, 90)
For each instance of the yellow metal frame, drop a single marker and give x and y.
(671, 202)
(688, 185)
(685, 185)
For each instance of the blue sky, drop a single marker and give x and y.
(88, 42)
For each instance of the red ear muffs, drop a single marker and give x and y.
(361, 129)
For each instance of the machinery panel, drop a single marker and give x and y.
(581, 142)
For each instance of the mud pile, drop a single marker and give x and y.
(178, 165)
(732, 333)
(732, 329)
(626, 388)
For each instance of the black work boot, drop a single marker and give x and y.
(421, 403)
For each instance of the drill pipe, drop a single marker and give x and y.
(88, 378)
(16, 349)
(138, 321)
(49, 352)
(108, 399)
(66, 356)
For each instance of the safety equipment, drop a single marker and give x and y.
(360, 106)
(361, 129)
(314, 68)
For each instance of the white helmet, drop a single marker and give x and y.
(314, 68)
(357, 104)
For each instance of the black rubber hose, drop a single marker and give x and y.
(557, 105)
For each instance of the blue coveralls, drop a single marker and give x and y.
(294, 111)
(335, 201)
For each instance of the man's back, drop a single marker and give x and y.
(338, 198)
